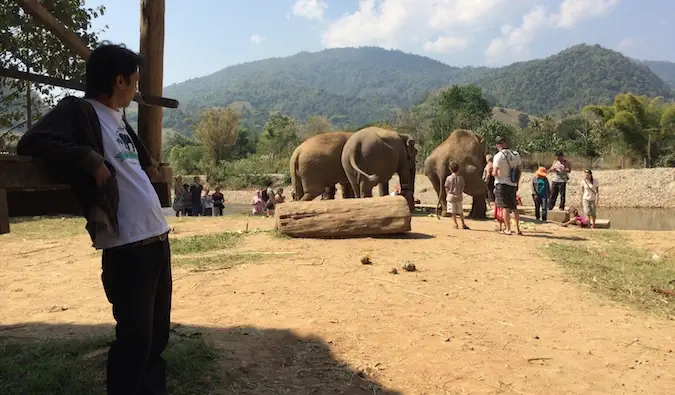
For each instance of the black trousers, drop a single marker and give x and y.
(137, 282)
(557, 188)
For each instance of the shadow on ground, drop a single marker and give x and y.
(39, 358)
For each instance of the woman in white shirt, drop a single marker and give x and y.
(590, 195)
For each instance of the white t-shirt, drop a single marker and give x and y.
(140, 211)
(500, 162)
(589, 191)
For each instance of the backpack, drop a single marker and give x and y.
(514, 172)
(264, 196)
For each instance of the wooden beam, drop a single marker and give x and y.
(78, 47)
(46, 19)
(150, 100)
(151, 73)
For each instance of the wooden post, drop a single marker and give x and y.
(4, 212)
(151, 74)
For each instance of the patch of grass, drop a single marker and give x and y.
(76, 367)
(620, 271)
(47, 227)
(222, 261)
(204, 243)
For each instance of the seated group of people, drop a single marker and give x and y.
(266, 199)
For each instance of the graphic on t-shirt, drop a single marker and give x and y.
(126, 146)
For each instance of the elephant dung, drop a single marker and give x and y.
(344, 217)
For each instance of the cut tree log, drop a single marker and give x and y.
(343, 217)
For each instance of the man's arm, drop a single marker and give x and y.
(495, 166)
(58, 138)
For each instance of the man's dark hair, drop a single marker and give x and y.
(558, 153)
(500, 140)
(454, 167)
(105, 63)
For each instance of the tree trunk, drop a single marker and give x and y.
(478, 208)
(29, 107)
(344, 217)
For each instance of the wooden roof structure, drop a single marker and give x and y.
(28, 186)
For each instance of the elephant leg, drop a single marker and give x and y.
(366, 189)
(478, 208)
(330, 192)
(384, 188)
(347, 191)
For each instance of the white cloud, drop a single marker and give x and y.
(310, 9)
(514, 41)
(446, 44)
(627, 44)
(401, 23)
(573, 11)
(257, 39)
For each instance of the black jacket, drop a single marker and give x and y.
(69, 138)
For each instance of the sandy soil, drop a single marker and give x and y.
(653, 188)
(465, 323)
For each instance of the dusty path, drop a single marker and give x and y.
(469, 321)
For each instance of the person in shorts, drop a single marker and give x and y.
(506, 171)
(454, 193)
(590, 194)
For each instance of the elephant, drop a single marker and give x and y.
(468, 150)
(372, 155)
(316, 167)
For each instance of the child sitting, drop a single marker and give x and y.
(576, 219)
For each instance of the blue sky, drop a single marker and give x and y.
(204, 36)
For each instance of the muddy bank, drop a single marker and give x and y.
(646, 188)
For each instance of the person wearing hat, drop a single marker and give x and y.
(506, 169)
(540, 192)
(560, 174)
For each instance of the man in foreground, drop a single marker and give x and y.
(506, 171)
(90, 143)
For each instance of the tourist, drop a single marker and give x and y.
(454, 194)
(540, 192)
(396, 190)
(576, 219)
(279, 196)
(489, 180)
(187, 201)
(178, 195)
(109, 169)
(258, 203)
(560, 173)
(218, 201)
(590, 195)
(207, 203)
(196, 190)
(506, 171)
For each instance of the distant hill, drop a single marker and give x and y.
(665, 70)
(354, 86)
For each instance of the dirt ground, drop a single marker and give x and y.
(470, 321)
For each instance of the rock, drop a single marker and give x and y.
(366, 260)
(393, 271)
(409, 267)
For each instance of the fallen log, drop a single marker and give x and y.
(343, 217)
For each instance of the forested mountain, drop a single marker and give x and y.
(665, 70)
(354, 86)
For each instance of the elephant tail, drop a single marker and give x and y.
(295, 178)
(352, 163)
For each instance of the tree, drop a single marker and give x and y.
(279, 136)
(217, 131)
(492, 128)
(315, 124)
(29, 47)
(523, 120)
(466, 103)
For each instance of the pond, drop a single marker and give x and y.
(638, 218)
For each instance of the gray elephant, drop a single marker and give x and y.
(316, 167)
(468, 150)
(372, 155)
